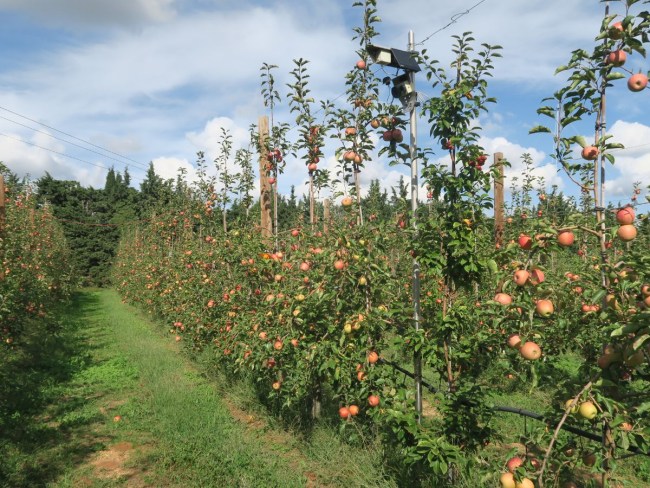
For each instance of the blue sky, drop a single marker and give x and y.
(155, 80)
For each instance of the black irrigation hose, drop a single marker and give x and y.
(518, 411)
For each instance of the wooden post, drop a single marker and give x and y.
(3, 209)
(265, 186)
(498, 200)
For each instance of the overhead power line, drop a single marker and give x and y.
(454, 18)
(53, 151)
(75, 137)
(66, 141)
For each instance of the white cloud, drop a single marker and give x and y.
(201, 57)
(162, 92)
(534, 34)
(633, 163)
(168, 168)
(513, 153)
(39, 154)
(84, 12)
(140, 93)
(209, 139)
(633, 135)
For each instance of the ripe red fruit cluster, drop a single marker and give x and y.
(275, 155)
(478, 162)
(347, 412)
(394, 135)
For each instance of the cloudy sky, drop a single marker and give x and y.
(156, 80)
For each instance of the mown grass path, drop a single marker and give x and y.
(114, 402)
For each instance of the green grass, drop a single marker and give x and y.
(177, 423)
(182, 423)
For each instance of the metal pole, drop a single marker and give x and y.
(417, 359)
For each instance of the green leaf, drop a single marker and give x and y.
(598, 296)
(644, 407)
(539, 128)
(617, 332)
(569, 120)
(615, 75)
(579, 140)
(615, 145)
(548, 111)
(639, 341)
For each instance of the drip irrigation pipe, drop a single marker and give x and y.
(518, 411)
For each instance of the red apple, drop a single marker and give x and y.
(626, 233)
(645, 290)
(637, 82)
(514, 341)
(521, 277)
(565, 238)
(373, 400)
(544, 308)
(616, 58)
(590, 153)
(339, 264)
(626, 426)
(530, 351)
(525, 242)
(514, 463)
(361, 64)
(537, 276)
(344, 413)
(503, 298)
(616, 30)
(625, 216)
